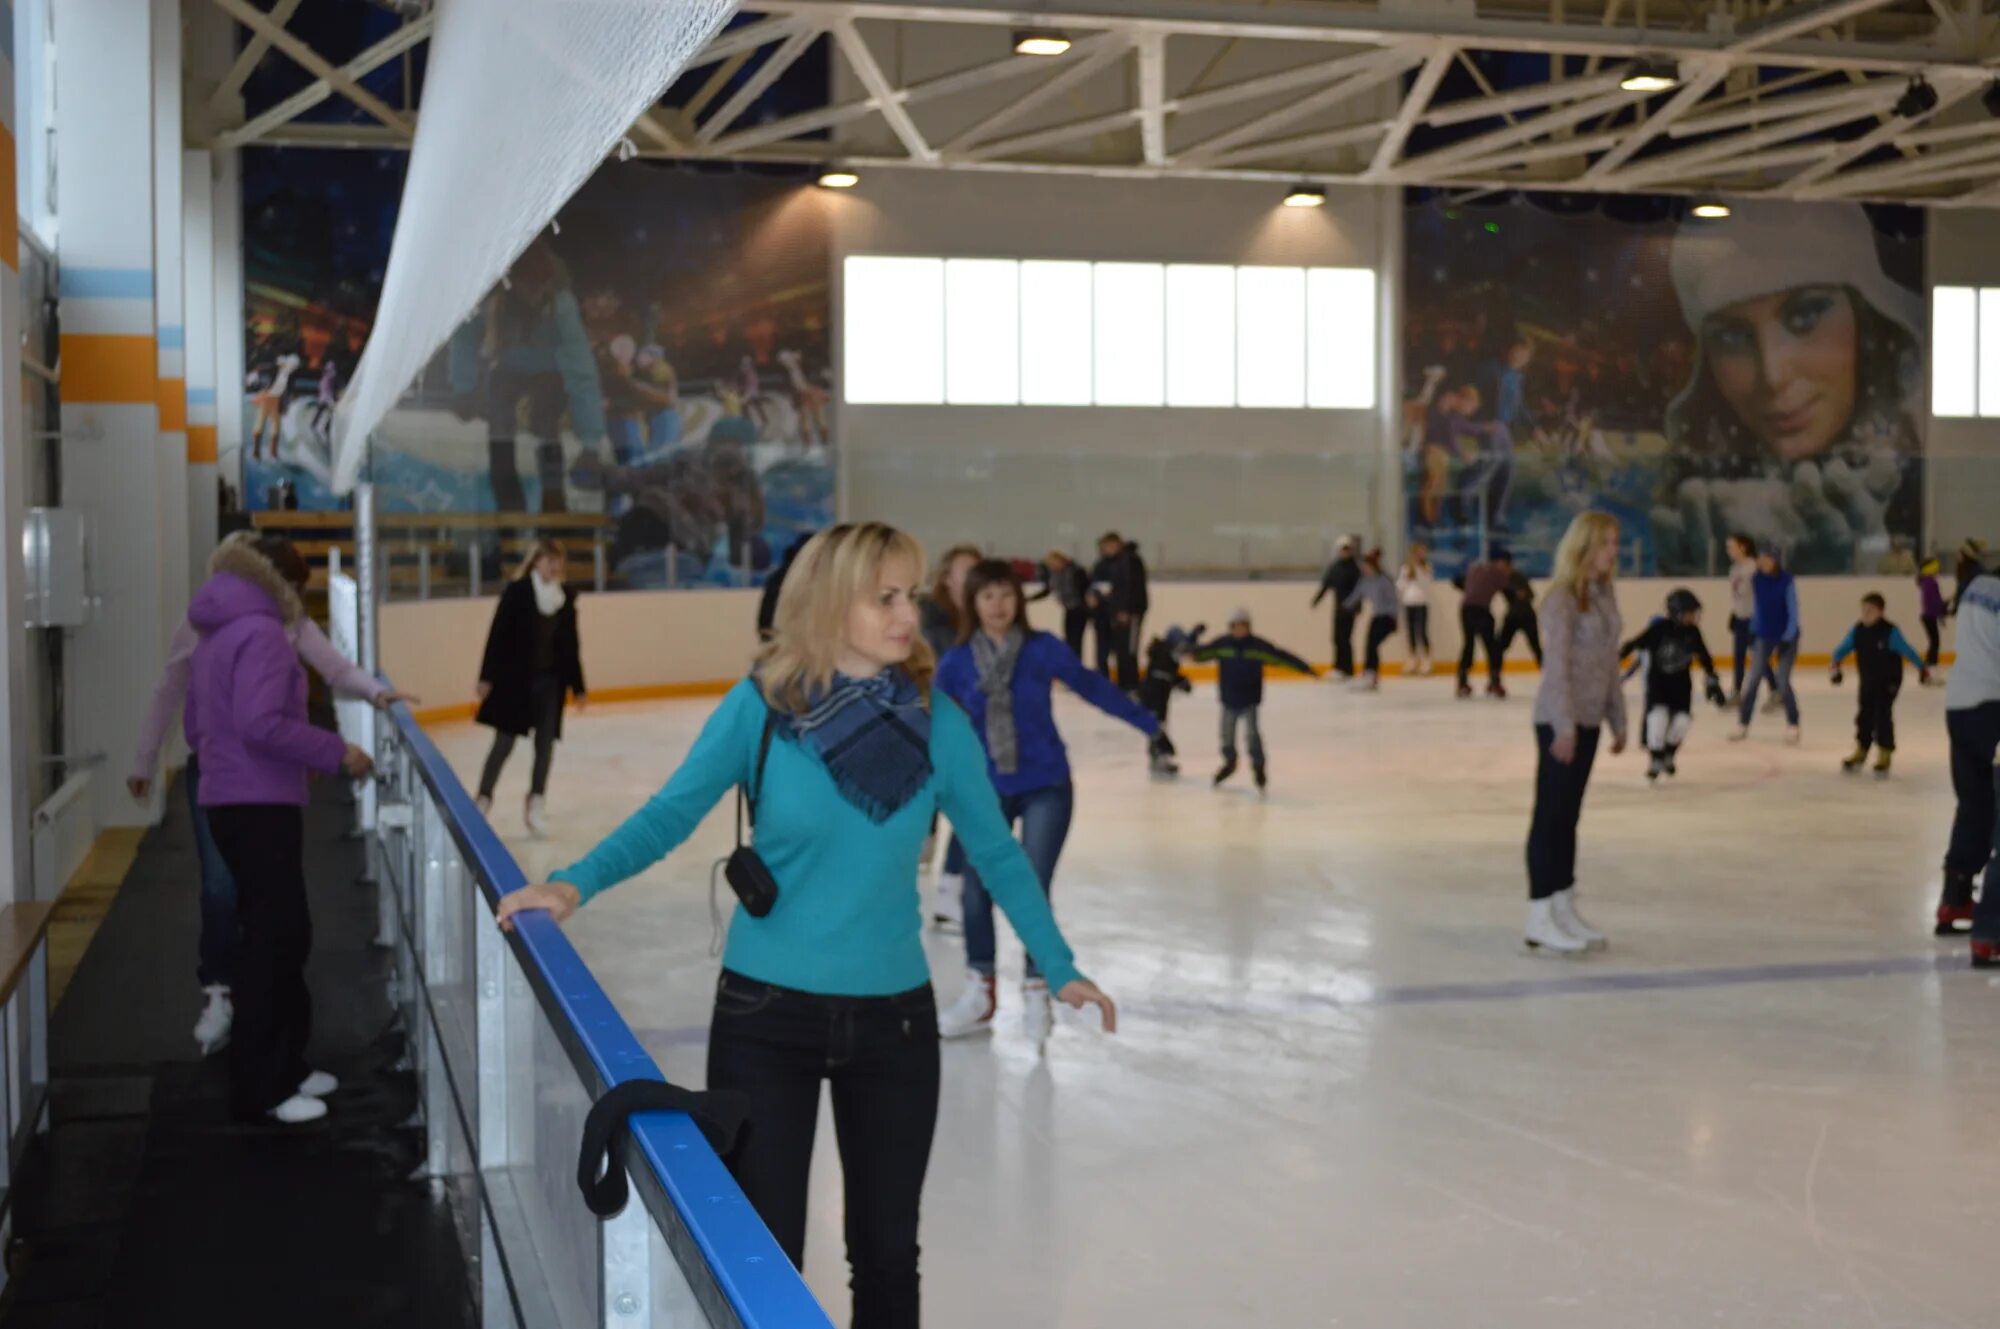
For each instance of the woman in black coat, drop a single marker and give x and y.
(533, 665)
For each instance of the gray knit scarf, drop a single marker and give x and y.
(995, 662)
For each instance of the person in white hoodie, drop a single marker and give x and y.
(1742, 608)
(1413, 587)
(1972, 717)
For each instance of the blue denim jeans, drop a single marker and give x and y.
(217, 954)
(1741, 639)
(1044, 815)
(1787, 653)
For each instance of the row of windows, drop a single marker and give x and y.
(1965, 350)
(1002, 332)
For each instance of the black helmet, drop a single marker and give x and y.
(1681, 602)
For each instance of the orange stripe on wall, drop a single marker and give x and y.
(201, 444)
(107, 368)
(10, 221)
(173, 405)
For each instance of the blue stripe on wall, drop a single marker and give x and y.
(107, 283)
(172, 337)
(201, 396)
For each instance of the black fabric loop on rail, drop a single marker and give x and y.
(600, 1168)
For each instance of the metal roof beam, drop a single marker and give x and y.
(795, 45)
(1685, 98)
(1415, 103)
(1384, 66)
(222, 100)
(292, 107)
(1303, 143)
(879, 90)
(261, 23)
(1075, 72)
(1799, 21)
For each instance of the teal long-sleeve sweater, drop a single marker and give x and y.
(848, 921)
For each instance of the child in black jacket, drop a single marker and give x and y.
(1879, 649)
(1672, 645)
(1241, 658)
(1163, 679)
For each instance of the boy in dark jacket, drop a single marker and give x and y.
(1241, 658)
(1879, 649)
(1163, 679)
(1672, 645)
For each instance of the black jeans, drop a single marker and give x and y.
(880, 1055)
(1343, 641)
(1558, 804)
(1380, 629)
(1875, 718)
(1975, 734)
(1476, 625)
(264, 845)
(547, 694)
(1117, 655)
(1420, 629)
(1526, 625)
(1074, 622)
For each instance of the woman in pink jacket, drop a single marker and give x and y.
(215, 966)
(247, 710)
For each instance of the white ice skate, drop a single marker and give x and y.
(1564, 909)
(298, 1109)
(318, 1085)
(1792, 735)
(484, 804)
(1546, 936)
(211, 1031)
(973, 1012)
(536, 817)
(1038, 1016)
(1739, 733)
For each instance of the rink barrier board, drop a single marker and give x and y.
(678, 1178)
(1200, 673)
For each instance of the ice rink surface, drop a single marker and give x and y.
(1345, 1095)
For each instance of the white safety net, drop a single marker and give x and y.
(522, 100)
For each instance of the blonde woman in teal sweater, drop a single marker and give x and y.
(832, 983)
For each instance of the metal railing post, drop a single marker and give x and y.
(475, 560)
(625, 1263)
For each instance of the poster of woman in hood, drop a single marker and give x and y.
(1800, 423)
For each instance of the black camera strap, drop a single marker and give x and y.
(756, 780)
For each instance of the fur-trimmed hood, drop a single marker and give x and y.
(242, 581)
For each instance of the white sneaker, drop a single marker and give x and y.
(1792, 735)
(1564, 909)
(217, 1014)
(1365, 683)
(484, 804)
(297, 1110)
(1038, 1016)
(1546, 936)
(538, 823)
(318, 1085)
(1739, 733)
(948, 912)
(972, 1013)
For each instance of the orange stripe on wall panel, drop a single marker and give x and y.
(201, 444)
(10, 219)
(173, 405)
(108, 368)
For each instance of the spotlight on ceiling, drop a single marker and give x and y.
(1991, 101)
(1920, 98)
(1651, 76)
(1306, 196)
(838, 177)
(1041, 41)
(1711, 210)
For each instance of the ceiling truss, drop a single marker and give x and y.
(1784, 100)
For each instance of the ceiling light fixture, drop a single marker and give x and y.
(1306, 196)
(1711, 210)
(838, 177)
(1041, 41)
(1920, 98)
(1650, 76)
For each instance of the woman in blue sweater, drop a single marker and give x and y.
(831, 984)
(1774, 623)
(1003, 675)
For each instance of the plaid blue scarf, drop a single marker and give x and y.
(873, 735)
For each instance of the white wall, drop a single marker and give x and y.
(1964, 455)
(1198, 488)
(650, 641)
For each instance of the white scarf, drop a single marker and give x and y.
(549, 595)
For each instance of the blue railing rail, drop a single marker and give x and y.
(706, 1219)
